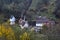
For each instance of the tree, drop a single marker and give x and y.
(56, 12)
(15, 7)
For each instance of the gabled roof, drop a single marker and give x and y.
(41, 19)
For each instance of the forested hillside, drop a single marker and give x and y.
(29, 19)
(21, 8)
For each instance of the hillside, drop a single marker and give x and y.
(21, 8)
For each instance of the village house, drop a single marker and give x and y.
(40, 21)
(12, 20)
(23, 23)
